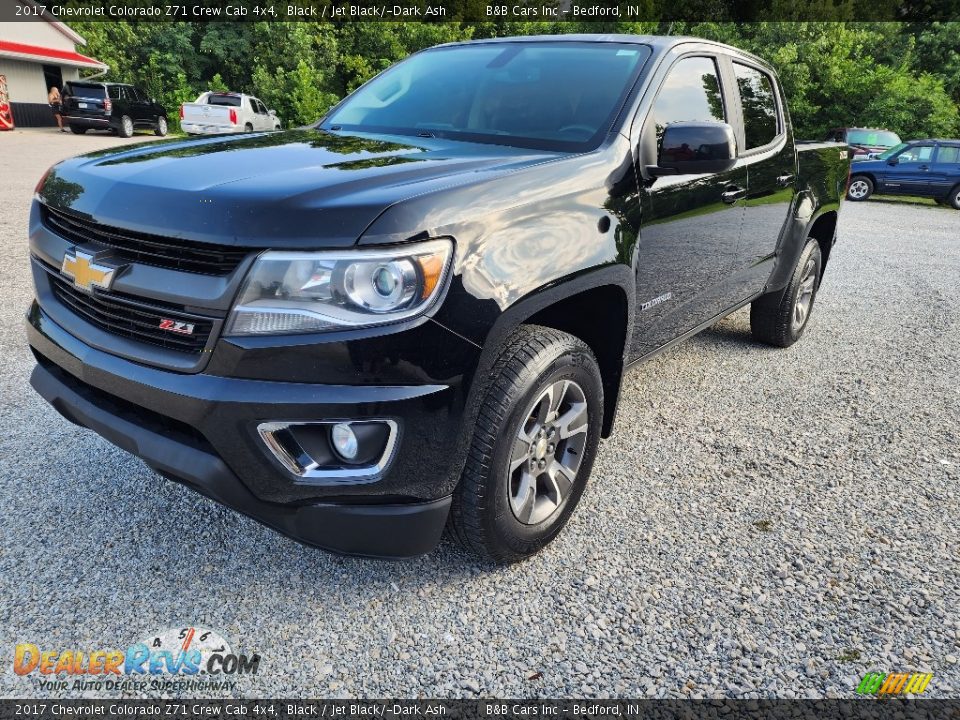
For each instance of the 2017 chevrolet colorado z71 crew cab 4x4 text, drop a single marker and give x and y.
(418, 312)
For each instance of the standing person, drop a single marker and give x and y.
(53, 98)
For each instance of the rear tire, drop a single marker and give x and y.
(126, 127)
(77, 130)
(780, 318)
(861, 188)
(533, 446)
(161, 126)
(953, 199)
(248, 128)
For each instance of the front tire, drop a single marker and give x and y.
(861, 188)
(161, 127)
(533, 446)
(126, 127)
(780, 318)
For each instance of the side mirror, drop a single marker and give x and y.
(272, 112)
(695, 147)
(893, 161)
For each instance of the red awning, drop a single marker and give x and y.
(20, 51)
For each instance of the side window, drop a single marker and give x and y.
(260, 108)
(948, 154)
(253, 104)
(690, 93)
(759, 103)
(114, 92)
(917, 153)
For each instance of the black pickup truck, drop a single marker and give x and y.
(417, 313)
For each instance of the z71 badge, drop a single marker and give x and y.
(176, 326)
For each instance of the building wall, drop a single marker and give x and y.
(36, 33)
(27, 89)
(25, 81)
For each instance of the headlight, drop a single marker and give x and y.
(297, 292)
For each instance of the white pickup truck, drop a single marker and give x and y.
(226, 112)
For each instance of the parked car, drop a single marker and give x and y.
(419, 311)
(226, 112)
(925, 168)
(864, 141)
(111, 106)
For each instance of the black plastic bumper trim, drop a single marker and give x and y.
(389, 531)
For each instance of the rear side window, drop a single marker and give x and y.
(115, 91)
(87, 91)
(948, 154)
(691, 93)
(760, 123)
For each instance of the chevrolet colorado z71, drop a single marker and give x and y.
(417, 313)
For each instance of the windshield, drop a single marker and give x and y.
(886, 154)
(872, 138)
(544, 95)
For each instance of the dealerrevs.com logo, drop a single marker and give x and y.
(196, 654)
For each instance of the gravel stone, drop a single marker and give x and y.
(663, 585)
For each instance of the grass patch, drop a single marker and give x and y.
(851, 655)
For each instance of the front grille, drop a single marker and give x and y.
(130, 246)
(119, 315)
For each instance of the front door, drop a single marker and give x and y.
(909, 173)
(691, 224)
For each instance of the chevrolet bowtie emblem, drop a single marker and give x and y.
(85, 273)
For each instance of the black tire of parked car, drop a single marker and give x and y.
(954, 197)
(533, 359)
(861, 188)
(773, 317)
(126, 127)
(248, 128)
(77, 130)
(160, 128)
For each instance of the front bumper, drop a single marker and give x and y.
(200, 430)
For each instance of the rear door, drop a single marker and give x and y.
(945, 171)
(771, 160)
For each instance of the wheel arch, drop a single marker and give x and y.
(596, 307)
(823, 229)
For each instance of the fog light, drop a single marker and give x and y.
(344, 441)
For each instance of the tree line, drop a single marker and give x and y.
(901, 76)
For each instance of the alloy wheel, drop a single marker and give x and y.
(859, 189)
(801, 310)
(547, 452)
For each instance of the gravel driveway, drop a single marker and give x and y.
(764, 522)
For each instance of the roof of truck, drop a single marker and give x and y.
(659, 43)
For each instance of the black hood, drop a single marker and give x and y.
(302, 188)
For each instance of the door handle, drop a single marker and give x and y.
(784, 180)
(924, 167)
(733, 193)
